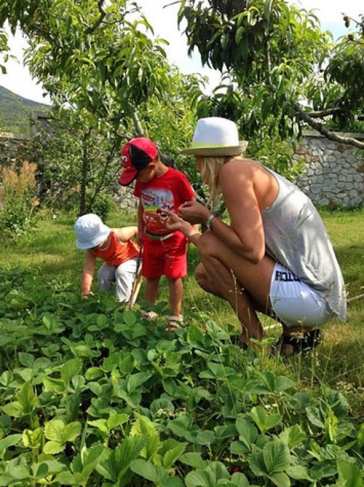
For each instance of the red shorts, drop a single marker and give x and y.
(165, 257)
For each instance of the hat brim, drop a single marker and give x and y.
(101, 237)
(127, 176)
(217, 151)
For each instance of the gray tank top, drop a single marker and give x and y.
(295, 237)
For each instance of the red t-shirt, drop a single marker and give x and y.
(166, 192)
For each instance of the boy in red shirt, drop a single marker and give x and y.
(118, 252)
(158, 188)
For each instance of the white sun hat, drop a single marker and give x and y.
(216, 136)
(90, 231)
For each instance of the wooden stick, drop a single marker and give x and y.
(354, 298)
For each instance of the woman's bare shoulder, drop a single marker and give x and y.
(239, 166)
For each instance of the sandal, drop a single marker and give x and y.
(174, 323)
(289, 345)
(149, 315)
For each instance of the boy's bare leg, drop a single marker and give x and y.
(151, 290)
(175, 296)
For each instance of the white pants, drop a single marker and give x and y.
(294, 302)
(123, 276)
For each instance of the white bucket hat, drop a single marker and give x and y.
(90, 231)
(216, 136)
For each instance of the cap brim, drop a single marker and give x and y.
(127, 176)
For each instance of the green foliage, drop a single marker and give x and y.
(4, 48)
(277, 60)
(101, 398)
(18, 199)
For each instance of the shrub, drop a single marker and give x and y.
(102, 205)
(18, 199)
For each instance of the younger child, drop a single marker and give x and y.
(159, 188)
(112, 245)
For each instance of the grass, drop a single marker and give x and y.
(49, 251)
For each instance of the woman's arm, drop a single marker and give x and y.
(88, 274)
(245, 235)
(238, 187)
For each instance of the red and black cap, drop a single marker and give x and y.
(135, 156)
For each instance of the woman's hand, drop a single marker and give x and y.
(174, 223)
(194, 212)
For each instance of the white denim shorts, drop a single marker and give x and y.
(294, 302)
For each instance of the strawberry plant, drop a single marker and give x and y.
(93, 395)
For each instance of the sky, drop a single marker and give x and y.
(163, 20)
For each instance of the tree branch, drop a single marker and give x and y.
(324, 131)
(98, 22)
(324, 113)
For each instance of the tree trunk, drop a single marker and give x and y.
(84, 174)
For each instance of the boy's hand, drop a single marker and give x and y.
(194, 212)
(174, 223)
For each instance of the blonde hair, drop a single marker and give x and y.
(209, 169)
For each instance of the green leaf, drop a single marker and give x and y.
(293, 436)
(71, 431)
(53, 447)
(102, 321)
(54, 430)
(26, 359)
(41, 470)
(171, 456)
(136, 380)
(145, 469)
(10, 440)
(276, 456)
(263, 419)
(280, 479)
(93, 373)
(71, 368)
(66, 478)
(18, 472)
(350, 474)
(13, 409)
(298, 472)
(129, 317)
(193, 459)
(116, 420)
(248, 433)
(239, 480)
(101, 424)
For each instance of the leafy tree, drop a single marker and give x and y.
(96, 59)
(4, 48)
(285, 70)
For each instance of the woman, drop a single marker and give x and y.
(275, 256)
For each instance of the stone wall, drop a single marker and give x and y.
(334, 173)
(13, 149)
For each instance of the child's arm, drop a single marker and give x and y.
(126, 233)
(88, 274)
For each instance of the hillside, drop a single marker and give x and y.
(15, 112)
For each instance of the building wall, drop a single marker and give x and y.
(334, 173)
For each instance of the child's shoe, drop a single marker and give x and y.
(174, 322)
